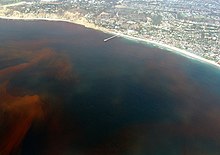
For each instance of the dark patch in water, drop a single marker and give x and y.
(65, 91)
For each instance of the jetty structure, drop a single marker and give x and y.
(112, 37)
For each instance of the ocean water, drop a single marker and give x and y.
(65, 91)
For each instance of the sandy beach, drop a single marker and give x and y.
(173, 49)
(147, 41)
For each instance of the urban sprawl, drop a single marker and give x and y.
(191, 25)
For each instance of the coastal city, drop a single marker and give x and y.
(193, 26)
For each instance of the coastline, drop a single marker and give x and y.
(174, 50)
(147, 41)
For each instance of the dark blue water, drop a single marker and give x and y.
(102, 98)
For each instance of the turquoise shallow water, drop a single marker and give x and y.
(65, 91)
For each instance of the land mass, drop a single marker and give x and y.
(198, 39)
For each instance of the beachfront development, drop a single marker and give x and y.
(190, 27)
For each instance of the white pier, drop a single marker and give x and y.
(112, 37)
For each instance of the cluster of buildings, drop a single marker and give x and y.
(190, 25)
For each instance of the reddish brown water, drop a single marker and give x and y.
(63, 90)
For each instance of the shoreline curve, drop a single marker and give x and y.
(147, 41)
